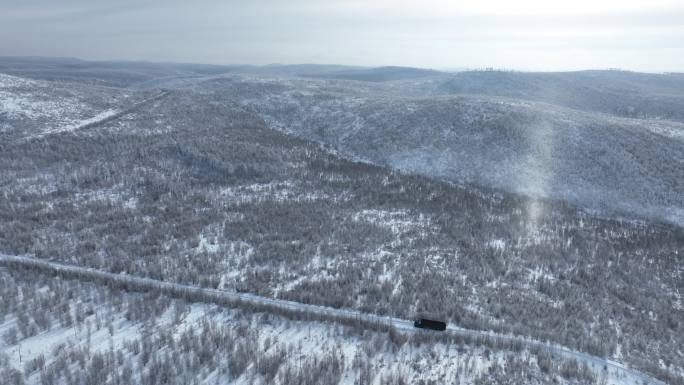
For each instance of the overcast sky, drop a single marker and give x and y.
(646, 35)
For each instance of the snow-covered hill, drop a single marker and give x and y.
(196, 188)
(76, 332)
(32, 108)
(597, 161)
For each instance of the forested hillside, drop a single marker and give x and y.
(617, 166)
(70, 332)
(197, 187)
(615, 92)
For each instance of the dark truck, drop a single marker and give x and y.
(423, 323)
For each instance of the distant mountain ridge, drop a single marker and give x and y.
(126, 73)
(621, 93)
(382, 74)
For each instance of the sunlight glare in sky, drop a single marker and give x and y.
(517, 7)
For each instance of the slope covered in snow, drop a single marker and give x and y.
(597, 161)
(78, 331)
(32, 108)
(198, 189)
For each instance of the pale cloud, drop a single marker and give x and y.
(522, 34)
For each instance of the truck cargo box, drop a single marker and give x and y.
(423, 323)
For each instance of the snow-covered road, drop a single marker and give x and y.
(225, 297)
(101, 118)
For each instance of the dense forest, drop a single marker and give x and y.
(193, 188)
(104, 336)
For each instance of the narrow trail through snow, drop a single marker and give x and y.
(99, 119)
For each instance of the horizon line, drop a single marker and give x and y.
(445, 69)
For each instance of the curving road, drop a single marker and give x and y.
(225, 297)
